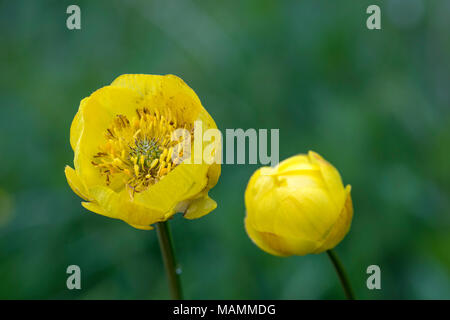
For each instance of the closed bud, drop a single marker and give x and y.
(298, 207)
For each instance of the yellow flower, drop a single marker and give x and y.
(298, 207)
(124, 161)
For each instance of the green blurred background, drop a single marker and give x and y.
(374, 103)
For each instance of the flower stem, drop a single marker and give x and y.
(341, 274)
(172, 269)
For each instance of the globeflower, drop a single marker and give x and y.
(127, 164)
(298, 207)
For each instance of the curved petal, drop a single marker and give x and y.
(91, 206)
(200, 207)
(310, 213)
(279, 245)
(163, 92)
(96, 115)
(259, 189)
(215, 168)
(331, 177)
(141, 227)
(295, 163)
(94, 207)
(213, 175)
(118, 206)
(75, 183)
(341, 227)
(206, 119)
(182, 183)
(115, 100)
(76, 128)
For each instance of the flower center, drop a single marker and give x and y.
(140, 152)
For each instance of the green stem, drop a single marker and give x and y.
(172, 269)
(341, 274)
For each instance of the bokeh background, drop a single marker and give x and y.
(374, 103)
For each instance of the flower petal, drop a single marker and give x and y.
(75, 183)
(331, 177)
(183, 183)
(141, 227)
(77, 125)
(279, 245)
(91, 206)
(119, 206)
(96, 115)
(163, 92)
(200, 207)
(341, 227)
(213, 175)
(296, 163)
(94, 207)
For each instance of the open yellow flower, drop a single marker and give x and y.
(298, 207)
(125, 168)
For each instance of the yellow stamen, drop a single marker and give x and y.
(142, 148)
(169, 154)
(136, 134)
(153, 164)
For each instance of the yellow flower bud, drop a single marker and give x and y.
(298, 207)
